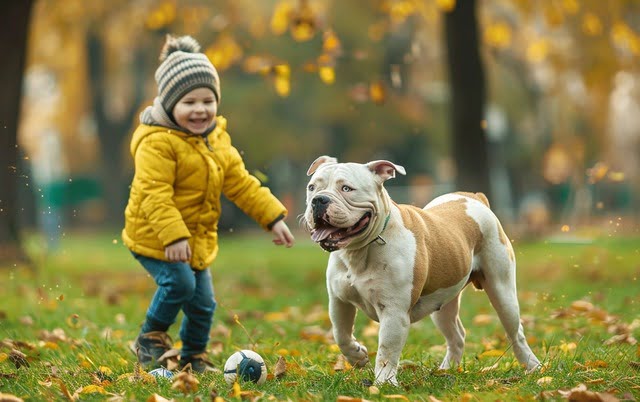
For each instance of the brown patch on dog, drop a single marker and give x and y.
(505, 240)
(476, 196)
(444, 235)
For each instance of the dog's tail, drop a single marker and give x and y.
(477, 196)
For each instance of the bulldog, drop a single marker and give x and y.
(399, 263)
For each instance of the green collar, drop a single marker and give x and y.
(386, 221)
(379, 238)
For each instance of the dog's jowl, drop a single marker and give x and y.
(399, 263)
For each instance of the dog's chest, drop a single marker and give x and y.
(372, 281)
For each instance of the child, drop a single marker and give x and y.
(184, 161)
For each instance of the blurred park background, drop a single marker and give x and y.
(536, 103)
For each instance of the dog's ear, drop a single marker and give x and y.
(320, 161)
(385, 170)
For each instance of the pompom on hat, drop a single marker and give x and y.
(182, 69)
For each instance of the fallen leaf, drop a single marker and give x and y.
(281, 367)
(9, 398)
(158, 398)
(185, 382)
(341, 364)
(396, 396)
(342, 398)
(544, 381)
(482, 319)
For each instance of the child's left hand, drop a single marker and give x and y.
(282, 234)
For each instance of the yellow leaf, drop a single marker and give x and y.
(446, 5)
(538, 50)
(92, 389)
(105, 370)
(302, 31)
(158, 398)
(4, 356)
(280, 18)
(276, 316)
(571, 6)
(591, 24)
(282, 86)
(236, 390)
(335, 349)
(327, 75)
(567, 347)
(498, 35)
(544, 381)
(331, 43)
(377, 92)
(492, 353)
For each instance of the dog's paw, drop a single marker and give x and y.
(358, 356)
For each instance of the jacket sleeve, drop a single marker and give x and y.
(155, 165)
(248, 194)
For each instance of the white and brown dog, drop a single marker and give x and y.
(399, 263)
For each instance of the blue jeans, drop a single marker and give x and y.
(180, 288)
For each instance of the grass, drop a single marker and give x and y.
(574, 298)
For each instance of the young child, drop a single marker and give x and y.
(184, 162)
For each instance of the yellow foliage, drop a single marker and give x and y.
(327, 75)
(498, 35)
(591, 24)
(377, 92)
(225, 52)
(571, 6)
(538, 50)
(92, 389)
(280, 18)
(446, 5)
(162, 16)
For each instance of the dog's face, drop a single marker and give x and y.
(345, 201)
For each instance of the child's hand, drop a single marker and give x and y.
(178, 251)
(282, 234)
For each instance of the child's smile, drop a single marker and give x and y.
(196, 110)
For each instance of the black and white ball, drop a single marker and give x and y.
(245, 365)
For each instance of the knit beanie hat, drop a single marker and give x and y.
(182, 69)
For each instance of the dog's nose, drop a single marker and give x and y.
(319, 201)
(319, 204)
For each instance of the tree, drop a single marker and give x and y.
(14, 27)
(467, 83)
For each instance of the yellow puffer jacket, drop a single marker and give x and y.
(175, 193)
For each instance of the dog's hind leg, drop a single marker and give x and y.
(499, 282)
(448, 322)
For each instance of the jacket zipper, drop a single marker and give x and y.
(206, 141)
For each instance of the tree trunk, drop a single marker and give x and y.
(467, 83)
(14, 27)
(112, 132)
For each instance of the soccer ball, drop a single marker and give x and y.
(161, 372)
(245, 365)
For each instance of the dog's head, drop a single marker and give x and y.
(346, 202)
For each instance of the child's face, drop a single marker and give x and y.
(196, 110)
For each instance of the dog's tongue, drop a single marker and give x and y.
(320, 234)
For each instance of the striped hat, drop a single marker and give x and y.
(182, 69)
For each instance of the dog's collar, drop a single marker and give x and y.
(379, 238)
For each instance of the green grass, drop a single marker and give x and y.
(274, 299)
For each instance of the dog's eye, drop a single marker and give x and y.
(346, 188)
(311, 187)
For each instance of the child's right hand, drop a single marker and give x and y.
(178, 251)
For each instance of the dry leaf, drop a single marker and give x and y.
(158, 398)
(341, 364)
(482, 319)
(404, 398)
(280, 368)
(342, 398)
(581, 394)
(185, 382)
(544, 381)
(9, 398)
(18, 358)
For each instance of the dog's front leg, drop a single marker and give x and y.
(342, 317)
(394, 328)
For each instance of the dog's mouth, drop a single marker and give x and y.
(331, 238)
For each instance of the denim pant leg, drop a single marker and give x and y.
(176, 284)
(198, 315)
